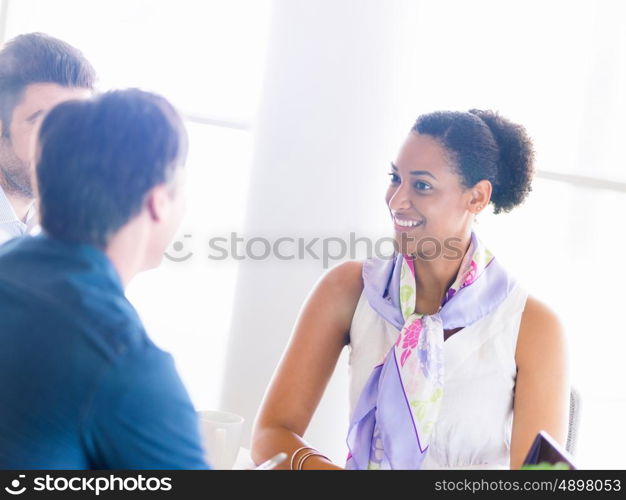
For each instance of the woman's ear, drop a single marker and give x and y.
(481, 196)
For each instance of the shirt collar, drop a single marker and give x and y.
(82, 255)
(7, 213)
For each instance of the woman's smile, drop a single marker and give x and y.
(404, 223)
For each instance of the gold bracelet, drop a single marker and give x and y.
(309, 455)
(293, 456)
(304, 457)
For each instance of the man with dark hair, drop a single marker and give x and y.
(37, 72)
(82, 384)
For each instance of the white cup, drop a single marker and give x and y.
(221, 437)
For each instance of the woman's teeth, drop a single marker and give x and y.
(406, 223)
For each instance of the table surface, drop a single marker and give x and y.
(244, 460)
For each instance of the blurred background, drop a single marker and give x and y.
(294, 109)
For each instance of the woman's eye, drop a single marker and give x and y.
(394, 178)
(422, 186)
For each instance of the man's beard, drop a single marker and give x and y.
(14, 173)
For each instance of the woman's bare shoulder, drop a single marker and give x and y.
(345, 279)
(541, 332)
(337, 293)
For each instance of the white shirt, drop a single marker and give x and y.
(10, 225)
(474, 426)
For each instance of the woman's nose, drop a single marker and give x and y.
(400, 199)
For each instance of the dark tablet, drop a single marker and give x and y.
(546, 449)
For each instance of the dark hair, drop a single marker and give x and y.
(97, 159)
(484, 145)
(38, 58)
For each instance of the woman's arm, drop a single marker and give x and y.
(320, 333)
(542, 387)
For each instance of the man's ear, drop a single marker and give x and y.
(158, 202)
(481, 196)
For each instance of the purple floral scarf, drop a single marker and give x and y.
(397, 410)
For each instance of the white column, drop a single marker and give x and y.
(324, 135)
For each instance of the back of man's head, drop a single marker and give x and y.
(38, 58)
(99, 158)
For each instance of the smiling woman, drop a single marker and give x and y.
(420, 399)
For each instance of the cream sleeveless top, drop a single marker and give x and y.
(474, 426)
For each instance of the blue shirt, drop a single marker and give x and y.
(81, 384)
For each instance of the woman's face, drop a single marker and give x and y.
(427, 201)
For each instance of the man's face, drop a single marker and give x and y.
(17, 150)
